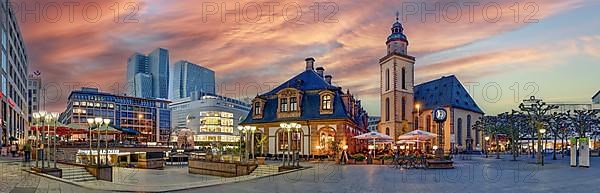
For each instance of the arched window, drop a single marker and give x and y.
(428, 124)
(417, 122)
(282, 138)
(404, 78)
(387, 79)
(403, 108)
(469, 127)
(326, 102)
(387, 109)
(459, 131)
(387, 131)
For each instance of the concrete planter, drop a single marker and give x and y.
(261, 160)
(223, 169)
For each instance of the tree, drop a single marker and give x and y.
(513, 123)
(536, 109)
(491, 126)
(555, 122)
(583, 122)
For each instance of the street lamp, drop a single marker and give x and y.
(542, 132)
(90, 122)
(244, 130)
(487, 139)
(54, 119)
(106, 122)
(288, 128)
(241, 131)
(252, 130)
(36, 117)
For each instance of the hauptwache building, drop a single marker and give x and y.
(406, 107)
(324, 110)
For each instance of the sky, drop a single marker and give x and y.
(502, 51)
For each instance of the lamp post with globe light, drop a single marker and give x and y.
(97, 123)
(39, 118)
(290, 158)
(54, 119)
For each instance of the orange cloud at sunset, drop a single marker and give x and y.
(347, 41)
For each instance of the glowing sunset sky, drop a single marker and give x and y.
(551, 48)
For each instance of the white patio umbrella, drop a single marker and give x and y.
(417, 135)
(373, 135)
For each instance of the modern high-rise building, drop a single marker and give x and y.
(13, 78)
(189, 77)
(150, 117)
(148, 75)
(210, 117)
(34, 95)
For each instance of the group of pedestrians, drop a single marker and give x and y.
(17, 150)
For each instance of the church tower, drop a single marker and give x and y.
(396, 84)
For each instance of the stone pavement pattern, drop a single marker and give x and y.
(473, 176)
(14, 180)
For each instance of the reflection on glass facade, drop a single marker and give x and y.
(13, 96)
(151, 117)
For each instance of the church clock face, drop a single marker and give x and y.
(440, 115)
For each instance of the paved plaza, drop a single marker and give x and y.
(476, 175)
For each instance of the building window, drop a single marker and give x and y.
(428, 124)
(387, 109)
(417, 122)
(469, 127)
(257, 108)
(282, 138)
(293, 104)
(387, 79)
(403, 108)
(404, 78)
(459, 131)
(326, 101)
(283, 105)
(387, 131)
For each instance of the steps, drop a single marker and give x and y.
(77, 174)
(263, 170)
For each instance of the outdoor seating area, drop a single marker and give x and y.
(408, 152)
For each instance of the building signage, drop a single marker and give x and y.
(95, 152)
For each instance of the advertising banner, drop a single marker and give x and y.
(584, 152)
(573, 152)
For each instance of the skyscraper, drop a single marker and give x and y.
(189, 77)
(159, 68)
(13, 78)
(148, 76)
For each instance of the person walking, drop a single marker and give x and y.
(13, 149)
(27, 151)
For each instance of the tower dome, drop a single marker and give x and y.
(397, 41)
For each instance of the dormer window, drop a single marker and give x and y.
(326, 105)
(283, 105)
(326, 102)
(289, 103)
(293, 104)
(258, 105)
(257, 108)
